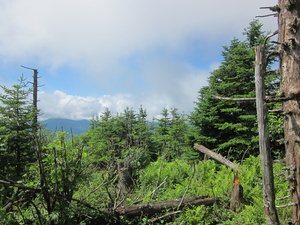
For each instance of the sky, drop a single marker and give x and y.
(98, 54)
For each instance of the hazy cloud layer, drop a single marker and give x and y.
(61, 105)
(124, 52)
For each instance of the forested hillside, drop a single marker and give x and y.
(125, 160)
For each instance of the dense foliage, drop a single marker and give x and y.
(230, 127)
(15, 130)
(124, 159)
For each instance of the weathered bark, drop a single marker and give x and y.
(289, 51)
(125, 180)
(34, 98)
(217, 157)
(264, 148)
(236, 196)
(158, 207)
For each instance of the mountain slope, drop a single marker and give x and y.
(76, 127)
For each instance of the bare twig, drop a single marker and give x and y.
(279, 161)
(93, 191)
(283, 198)
(272, 8)
(83, 203)
(18, 185)
(271, 14)
(153, 192)
(269, 36)
(162, 217)
(287, 205)
(161, 184)
(188, 186)
(280, 174)
(121, 202)
(28, 68)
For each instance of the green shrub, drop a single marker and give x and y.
(215, 180)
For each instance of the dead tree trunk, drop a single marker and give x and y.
(236, 196)
(289, 52)
(264, 149)
(34, 98)
(125, 180)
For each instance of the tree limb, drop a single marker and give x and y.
(267, 99)
(18, 185)
(233, 99)
(271, 14)
(162, 183)
(275, 8)
(217, 157)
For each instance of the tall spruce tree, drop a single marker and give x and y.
(230, 127)
(171, 134)
(16, 136)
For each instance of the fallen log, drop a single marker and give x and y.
(158, 207)
(217, 157)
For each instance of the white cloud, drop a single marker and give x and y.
(61, 105)
(99, 33)
(178, 91)
(131, 49)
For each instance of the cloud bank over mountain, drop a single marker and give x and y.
(98, 53)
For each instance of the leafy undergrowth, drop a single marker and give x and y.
(180, 179)
(160, 180)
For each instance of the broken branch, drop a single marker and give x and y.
(267, 98)
(217, 157)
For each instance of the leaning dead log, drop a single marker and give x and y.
(217, 157)
(158, 207)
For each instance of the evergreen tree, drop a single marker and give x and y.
(230, 126)
(170, 136)
(102, 138)
(125, 136)
(16, 137)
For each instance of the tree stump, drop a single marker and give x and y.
(125, 180)
(236, 196)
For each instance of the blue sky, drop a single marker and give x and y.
(95, 54)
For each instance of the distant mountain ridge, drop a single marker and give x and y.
(76, 127)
